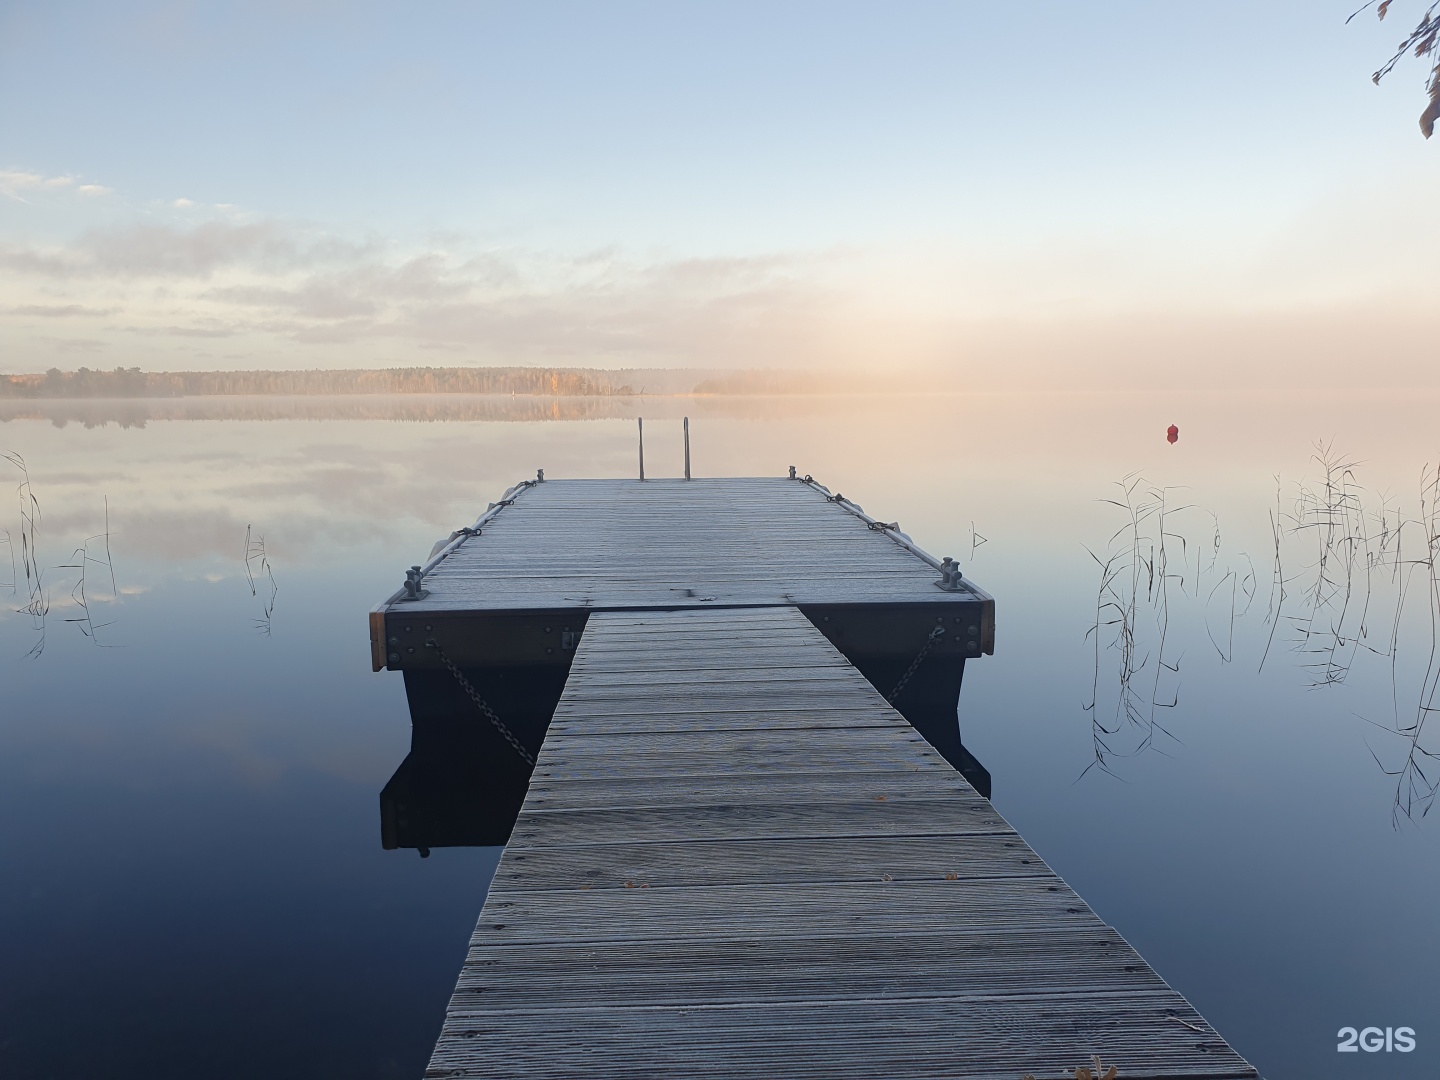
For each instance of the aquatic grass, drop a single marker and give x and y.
(1332, 513)
(1135, 581)
(79, 593)
(1277, 579)
(976, 540)
(1344, 565)
(36, 601)
(9, 550)
(261, 579)
(1417, 776)
(1357, 572)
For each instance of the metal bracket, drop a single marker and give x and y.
(950, 576)
(413, 589)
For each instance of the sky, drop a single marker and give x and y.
(996, 195)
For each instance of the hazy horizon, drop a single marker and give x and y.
(1118, 195)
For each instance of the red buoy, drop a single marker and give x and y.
(1172, 434)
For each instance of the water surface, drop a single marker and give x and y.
(190, 767)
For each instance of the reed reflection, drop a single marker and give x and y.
(260, 578)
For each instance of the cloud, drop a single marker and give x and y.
(314, 299)
(14, 181)
(182, 204)
(289, 295)
(30, 262)
(163, 251)
(183, 252)
(179, 330)
(275, 280)
(61, 311)
(78, 345)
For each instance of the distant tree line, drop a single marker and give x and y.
(134, 383)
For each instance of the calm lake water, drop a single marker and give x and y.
(193, 882)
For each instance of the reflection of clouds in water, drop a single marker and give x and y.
(254, 748)
(185, 491)
(179, 534)
(425, 408)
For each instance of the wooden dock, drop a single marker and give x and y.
(581, 545)
(734, 857)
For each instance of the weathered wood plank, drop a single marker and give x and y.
(793, 787)
(738, 764)
(630, 914)
(1150, 1035)
(716, 820)
(766, 966)
(819, 861)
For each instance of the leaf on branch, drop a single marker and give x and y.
(1432, 111)
(1383, 8)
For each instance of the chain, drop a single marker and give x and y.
(930, 643)
(480, 703)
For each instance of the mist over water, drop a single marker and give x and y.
(189, 774)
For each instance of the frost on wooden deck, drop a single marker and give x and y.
(735, 860)
(599, 544)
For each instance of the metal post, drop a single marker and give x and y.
(641, 421)
(687, 448)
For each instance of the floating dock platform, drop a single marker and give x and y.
(714, 723)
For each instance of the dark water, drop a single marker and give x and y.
(189, 831)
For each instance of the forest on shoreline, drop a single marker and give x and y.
(528, 381)
(134, 383)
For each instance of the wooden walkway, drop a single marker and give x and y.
(736, 860)
(607, 544)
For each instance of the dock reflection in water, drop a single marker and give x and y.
(449, 793)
